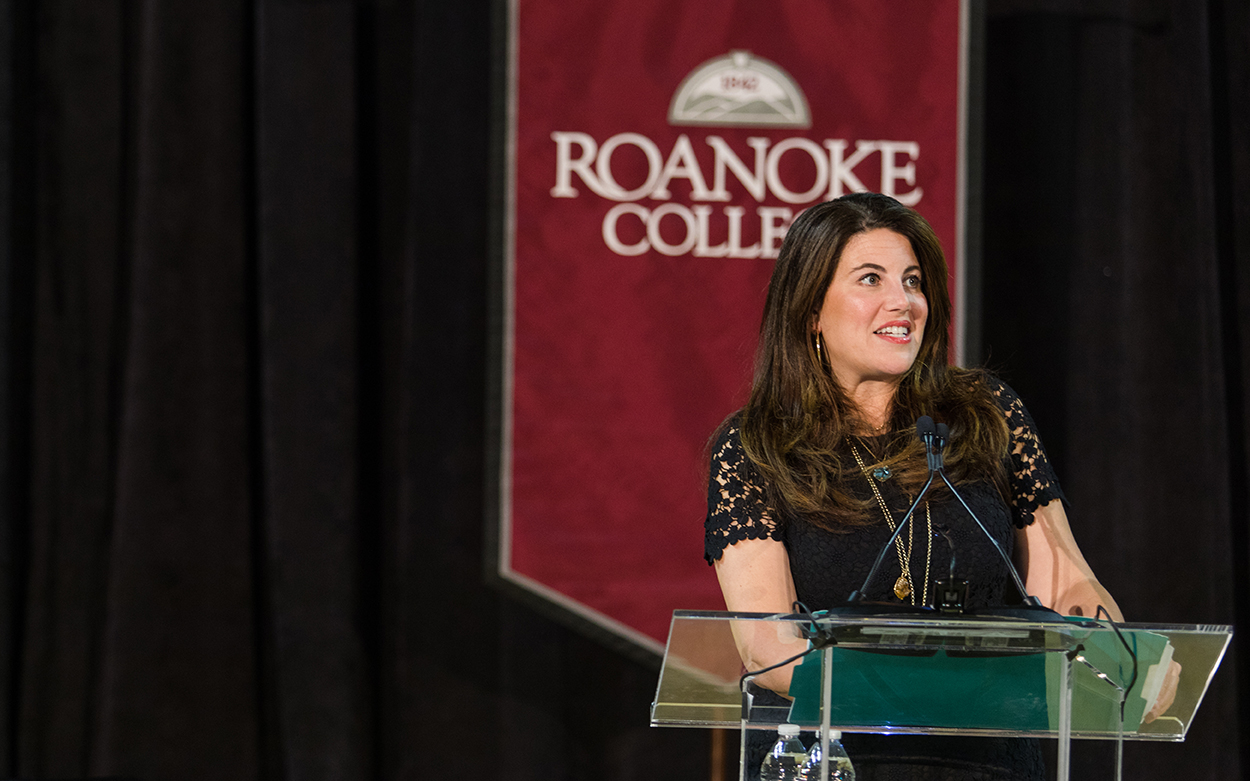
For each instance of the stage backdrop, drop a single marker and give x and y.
(656, 153)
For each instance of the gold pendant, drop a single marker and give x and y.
(901, 589)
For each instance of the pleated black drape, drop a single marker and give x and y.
(245, 262)
(1117, 171)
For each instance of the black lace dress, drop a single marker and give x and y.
(828, 566)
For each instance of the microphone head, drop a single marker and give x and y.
(924, 427)
(943, 431)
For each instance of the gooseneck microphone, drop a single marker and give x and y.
(928, 434)
(941, 437)
(935, 439)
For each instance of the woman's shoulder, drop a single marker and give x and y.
(1020, 425)
(726, 440)
(981, 380)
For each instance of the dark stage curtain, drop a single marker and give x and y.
(246, 249)
(245, 263)
(1116, 245)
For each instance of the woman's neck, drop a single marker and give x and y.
(872, 402)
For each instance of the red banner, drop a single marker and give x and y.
(657, 153)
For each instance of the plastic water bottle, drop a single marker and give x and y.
(840, 768)
(785, 759)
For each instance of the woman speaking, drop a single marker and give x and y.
(811, 477)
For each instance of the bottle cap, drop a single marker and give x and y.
(788, 730)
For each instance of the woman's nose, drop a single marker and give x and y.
(899, 297)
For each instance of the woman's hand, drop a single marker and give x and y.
(1056, 572)
(1167, 694)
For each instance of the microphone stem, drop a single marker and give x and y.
(858, 594)
(1015, 576)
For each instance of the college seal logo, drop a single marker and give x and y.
(739, 90)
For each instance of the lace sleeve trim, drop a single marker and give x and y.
(1032, 478)
(737, 504)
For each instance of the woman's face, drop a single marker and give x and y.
(873, 315)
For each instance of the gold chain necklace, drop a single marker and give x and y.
(903, 587)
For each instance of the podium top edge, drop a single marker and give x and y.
(956, 618)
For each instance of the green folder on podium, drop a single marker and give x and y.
(982, 689)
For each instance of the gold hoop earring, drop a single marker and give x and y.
(820, 350)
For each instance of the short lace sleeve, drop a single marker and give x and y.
(737, 505)
(1032, 479)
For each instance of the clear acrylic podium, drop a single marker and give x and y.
(943, 674)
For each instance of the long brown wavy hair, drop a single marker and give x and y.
(797, 415)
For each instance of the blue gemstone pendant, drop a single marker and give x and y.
(882, 473)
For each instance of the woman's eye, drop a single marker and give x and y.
(870, 279)
(913, 281)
